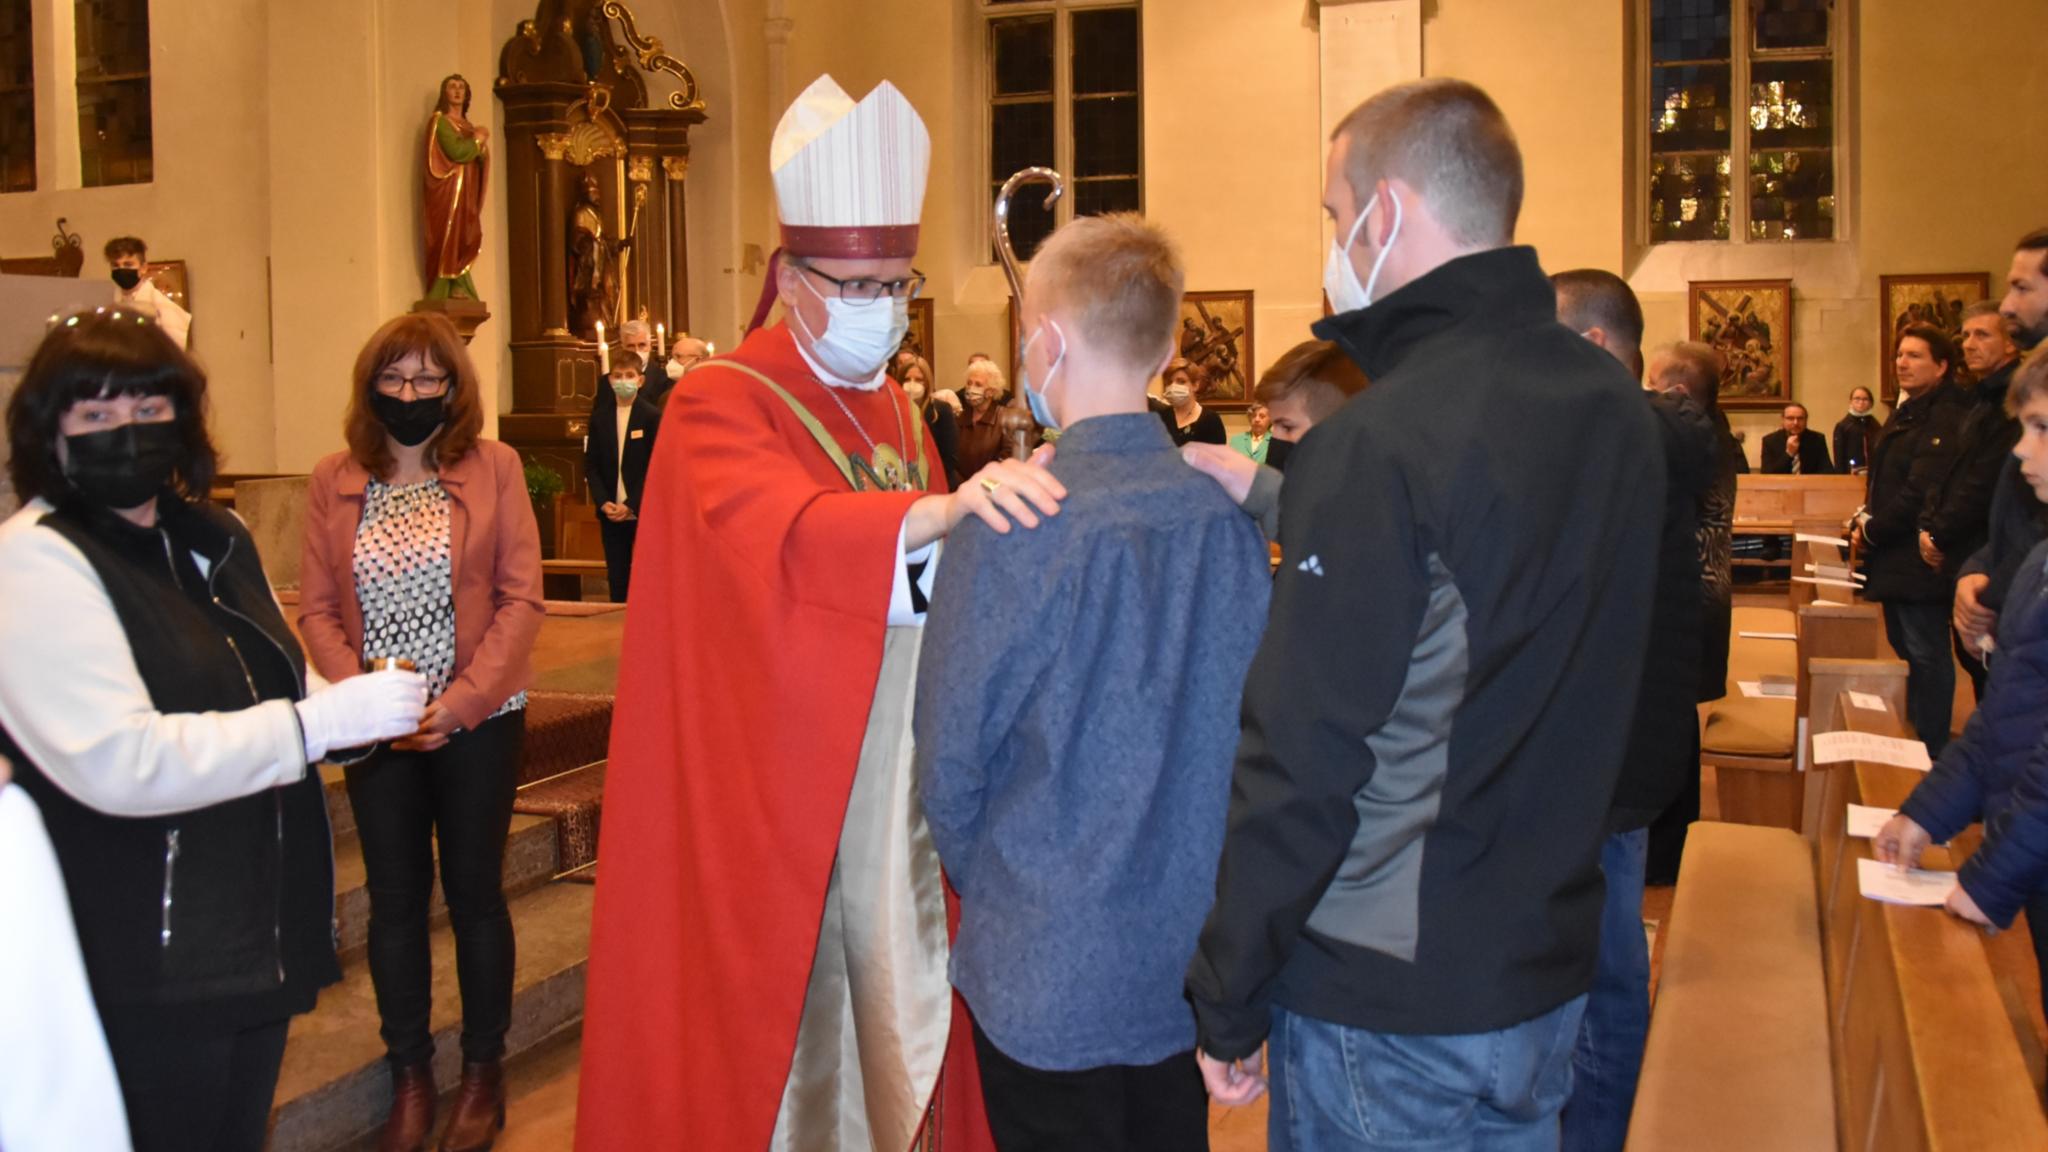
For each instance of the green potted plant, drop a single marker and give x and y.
(544, 487)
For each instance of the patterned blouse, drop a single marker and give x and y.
(405, 581)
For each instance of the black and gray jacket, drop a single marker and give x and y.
(147, 681)
(1435, 722)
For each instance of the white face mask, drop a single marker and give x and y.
(915, 390)
(1177, 394)
(1340, 279)
(975, 392)
(858, 339)
(1041, 408)
(676, 369)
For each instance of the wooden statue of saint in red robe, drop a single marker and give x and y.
(753, 646)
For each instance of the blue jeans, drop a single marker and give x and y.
(1338, 1089)
(1609, 1055)
(1919, 634)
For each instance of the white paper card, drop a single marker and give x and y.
(1867, 701)
(1865, 822)
(1825, 583)
(1917, 887)
(1809, 538)
(1754, 689)
(1829, 603)
(1767, 635)
(1838, 747)
(1758, 690)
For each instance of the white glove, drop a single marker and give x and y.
(362, 710)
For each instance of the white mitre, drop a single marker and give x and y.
(849, 178)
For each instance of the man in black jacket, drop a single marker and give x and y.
(2018, 519)
(1794, 450)
(1911, 456)
(1409, 896)
(616, 452)
(1957, 518)
(1663, 747)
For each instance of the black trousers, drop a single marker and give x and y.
(195, 1093)
(618, 553)
(1161, 1107)
(1973, 665)
(461, 795)
(1667, 833)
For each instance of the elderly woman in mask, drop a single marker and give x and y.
(981, 431)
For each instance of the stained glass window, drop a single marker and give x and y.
(17, 98)
(1742, 88)
(114, 133)
(1064, 93)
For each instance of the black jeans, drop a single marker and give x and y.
(195, 1093)
(1919, 632)
(618, 553)
(460, 794)
(1161, 1107)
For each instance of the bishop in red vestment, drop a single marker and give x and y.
(768, 961)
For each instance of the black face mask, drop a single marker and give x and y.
(410, 422)
(127, 278)
(124, 467)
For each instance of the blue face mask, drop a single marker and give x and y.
(1041, 411)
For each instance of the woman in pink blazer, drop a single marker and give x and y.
(421, 546)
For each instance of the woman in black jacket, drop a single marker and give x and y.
(160, 713)
(1907, 462)
(1856, 432)
(917, 384)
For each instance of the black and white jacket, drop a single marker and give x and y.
(147, 681)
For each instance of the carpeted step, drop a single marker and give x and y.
(529, 863)
(334, 1087)
(564, 731)
(574, 801)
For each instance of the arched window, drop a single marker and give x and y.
(114, 139)
(1065, 91)
(1742, 114)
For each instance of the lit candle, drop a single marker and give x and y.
(604, 352)
(660, 345)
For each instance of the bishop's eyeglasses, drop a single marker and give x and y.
(862, 290)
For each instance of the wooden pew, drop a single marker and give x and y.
(1928, 1054)
(1794, 1018)
(1769, 505)
(1753, 744)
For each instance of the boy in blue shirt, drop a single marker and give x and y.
(1077, 718)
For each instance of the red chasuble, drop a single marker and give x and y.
(752, 648)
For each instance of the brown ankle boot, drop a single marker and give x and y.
(479, 1109)
(412, 1110)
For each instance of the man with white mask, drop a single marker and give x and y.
(1409, 897)
(771, 889)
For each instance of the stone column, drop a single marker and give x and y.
(676, 168)
(554, 225)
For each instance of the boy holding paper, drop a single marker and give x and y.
(1998, 768)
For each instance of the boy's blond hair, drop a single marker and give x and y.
(1120, 278)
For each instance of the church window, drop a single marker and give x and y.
(1742, 119)
(17, 98)
(1065, 92)
(114, 136)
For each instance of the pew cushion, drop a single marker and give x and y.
(1739, 725)
(1738, 1053)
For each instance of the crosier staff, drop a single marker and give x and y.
(1016, 421)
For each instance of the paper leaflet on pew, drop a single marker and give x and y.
(1836, 572)
(1826, 582)
(1866, 822)
(1916, 886)
(1838, 747)
(1810, 538)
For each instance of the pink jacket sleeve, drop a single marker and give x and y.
(502, 664)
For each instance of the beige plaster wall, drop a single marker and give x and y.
(209, 204)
